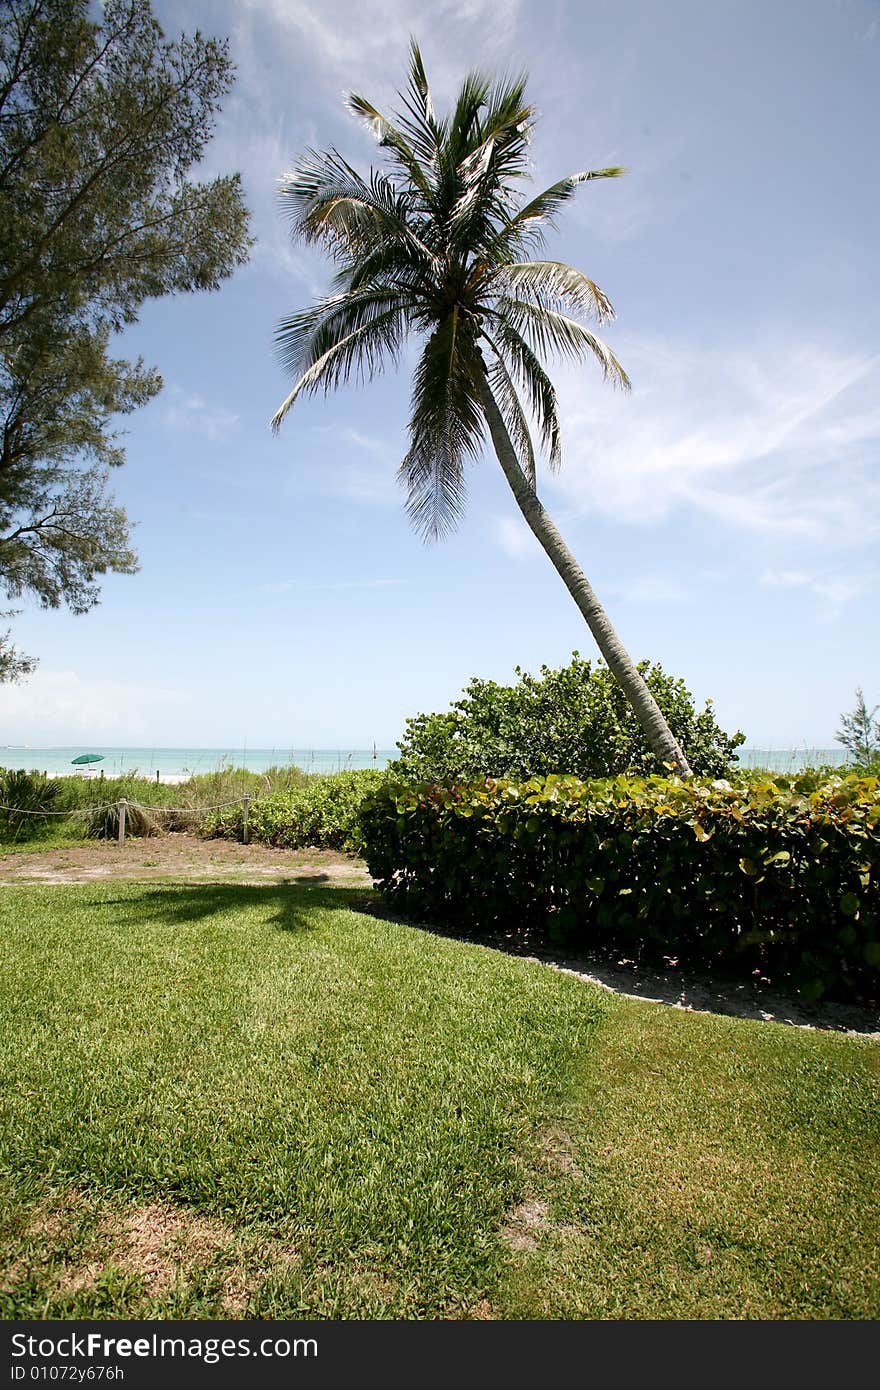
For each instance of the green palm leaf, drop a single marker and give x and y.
(528, 227)
(514, 416)
(391, 138)
(557, 285)
(551, 333)
(417, 120)
(439, 245)
(328, 202)
(535, 383)
(446, 428)
(363, 351)
(435, 245)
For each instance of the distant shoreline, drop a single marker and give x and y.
(176, 765)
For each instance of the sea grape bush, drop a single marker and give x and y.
(323, 813)
(755, 875)
(575, 720)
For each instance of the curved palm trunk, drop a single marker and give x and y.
(630, 679)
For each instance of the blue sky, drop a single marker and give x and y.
(726, 510)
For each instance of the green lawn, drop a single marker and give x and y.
(256, 1102)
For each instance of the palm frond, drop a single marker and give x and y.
(390, 265)
(539, 391)
(512, 413)
(446, 429)
(550, 332)
(363, 351)
(464, 121)
(417, 120)
(327, 201)
(494, 155)
(528, 226)
(474, 189)
(508, 122)
(303, 338)
(391, 138)
(558, 285)
(461, 136)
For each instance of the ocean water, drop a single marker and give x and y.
(180, 762)
(791, 759)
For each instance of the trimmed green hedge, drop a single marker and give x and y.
(769, 874)
(324, 814)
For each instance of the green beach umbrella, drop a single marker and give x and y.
(88, 758)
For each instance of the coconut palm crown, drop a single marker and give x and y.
(443, 244)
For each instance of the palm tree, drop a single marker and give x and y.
(440, 246)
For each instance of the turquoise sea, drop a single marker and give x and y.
(179, 762)
(791, 759)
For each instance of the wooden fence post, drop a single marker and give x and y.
(246, 806)
(122, 805)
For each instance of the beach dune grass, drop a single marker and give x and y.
(85, 808)
(227, 1100)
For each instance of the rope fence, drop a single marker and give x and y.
(220, 806)
(123, 804)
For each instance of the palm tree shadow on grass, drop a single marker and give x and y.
(288, 904)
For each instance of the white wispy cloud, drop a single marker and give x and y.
(513, 537)
(355, 466)
(649, 588)
(832, 589)
(194, 414)
(780, 439)
(262, 148)
(337, 36)
(58, 704)
(331, 49)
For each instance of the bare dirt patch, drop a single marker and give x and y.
(525, 1224)
(482, 1311)
(557, 1149)
(156, 1244)
(49, 1227)
(186, 858)
(51, 1223)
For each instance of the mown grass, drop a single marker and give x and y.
(258, 1102)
